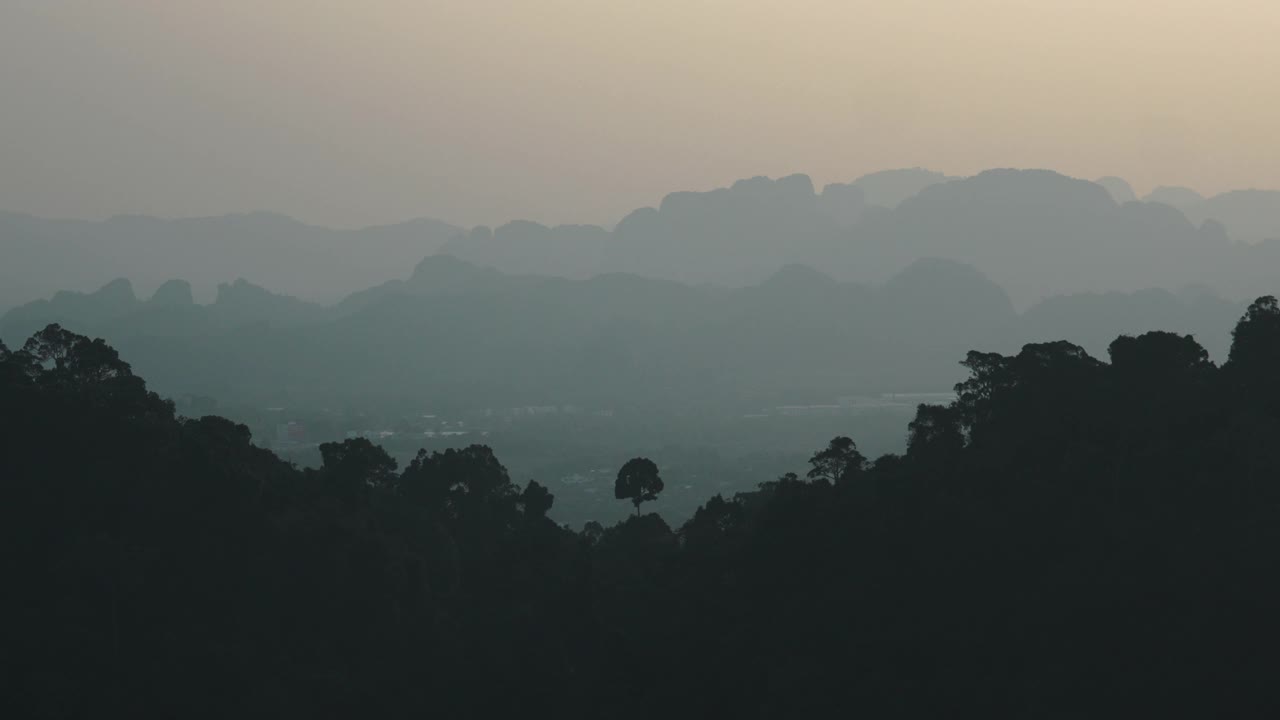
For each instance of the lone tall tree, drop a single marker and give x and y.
(838, 462)
(638, 482)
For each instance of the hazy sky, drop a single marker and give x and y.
(368, 111)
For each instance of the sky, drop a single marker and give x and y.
(482, 111)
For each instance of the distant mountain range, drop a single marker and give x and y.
(39, 256)
(1036, 233)
(456, 335)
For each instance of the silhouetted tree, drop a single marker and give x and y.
(52, 344)
(988, 374)
(74, 358)
(1255, 341)
(1005, 566)
(712, 521)
(592, 532)
(935, 433)
(358, 463)
(638, 481)
(838, 462)
(1158, 356)
(15, 365)
(455, 477)
(1253, 364)
(536, 500)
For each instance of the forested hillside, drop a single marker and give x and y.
(1070, 537)
(459, 336)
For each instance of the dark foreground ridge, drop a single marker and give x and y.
(1069, 538)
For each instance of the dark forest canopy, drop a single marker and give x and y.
(1070, 537)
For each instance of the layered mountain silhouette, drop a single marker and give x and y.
(41, 256)
(888, 188)
(1119, 189)
(456, 334)
(115, 309)
(1182, 198)
(1036, 233)
(1249, 215)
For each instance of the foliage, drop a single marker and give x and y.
(838, 462)
(638, 481)
(1069, 538)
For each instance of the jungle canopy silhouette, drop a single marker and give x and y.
(1069, 534)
